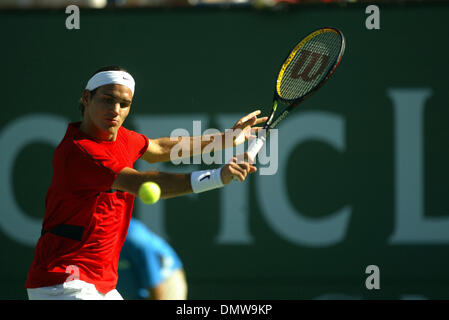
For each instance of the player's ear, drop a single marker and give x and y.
(86, 97)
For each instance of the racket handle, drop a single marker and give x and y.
(255, 147)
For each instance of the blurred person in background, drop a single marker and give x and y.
(149, 268)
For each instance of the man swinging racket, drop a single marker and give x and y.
(90, 199)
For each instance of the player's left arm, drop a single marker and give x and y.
(161, 149)
(178, 184)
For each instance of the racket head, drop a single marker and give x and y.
(309, 65)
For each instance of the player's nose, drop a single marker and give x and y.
(116, 108)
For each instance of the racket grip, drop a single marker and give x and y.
(255, 147)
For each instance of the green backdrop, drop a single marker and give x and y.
(373, 155)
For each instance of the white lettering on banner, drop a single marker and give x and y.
(156, 126)
(13, 138)
(234, 204)
(283, 218)
(411, 226)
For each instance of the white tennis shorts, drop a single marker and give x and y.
(72, 290)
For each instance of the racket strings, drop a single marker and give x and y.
(309, 66)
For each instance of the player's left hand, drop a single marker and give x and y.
(245, 129)
(237, 169)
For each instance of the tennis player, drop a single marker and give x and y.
(90, 199)
(149, 268)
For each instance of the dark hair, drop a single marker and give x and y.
(92, 93)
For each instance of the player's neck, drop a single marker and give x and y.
(92, 130)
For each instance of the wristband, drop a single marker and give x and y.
(206, 180)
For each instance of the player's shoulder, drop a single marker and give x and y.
(67, 143)
(125, 133)
(135, 142)
(77, 146)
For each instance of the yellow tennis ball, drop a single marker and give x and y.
(149, 192)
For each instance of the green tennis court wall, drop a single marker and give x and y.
(362, 166)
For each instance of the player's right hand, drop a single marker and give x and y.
(237, 168)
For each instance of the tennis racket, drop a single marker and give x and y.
(307, 67)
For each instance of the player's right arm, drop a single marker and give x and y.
(175, 184)
(171, 148)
